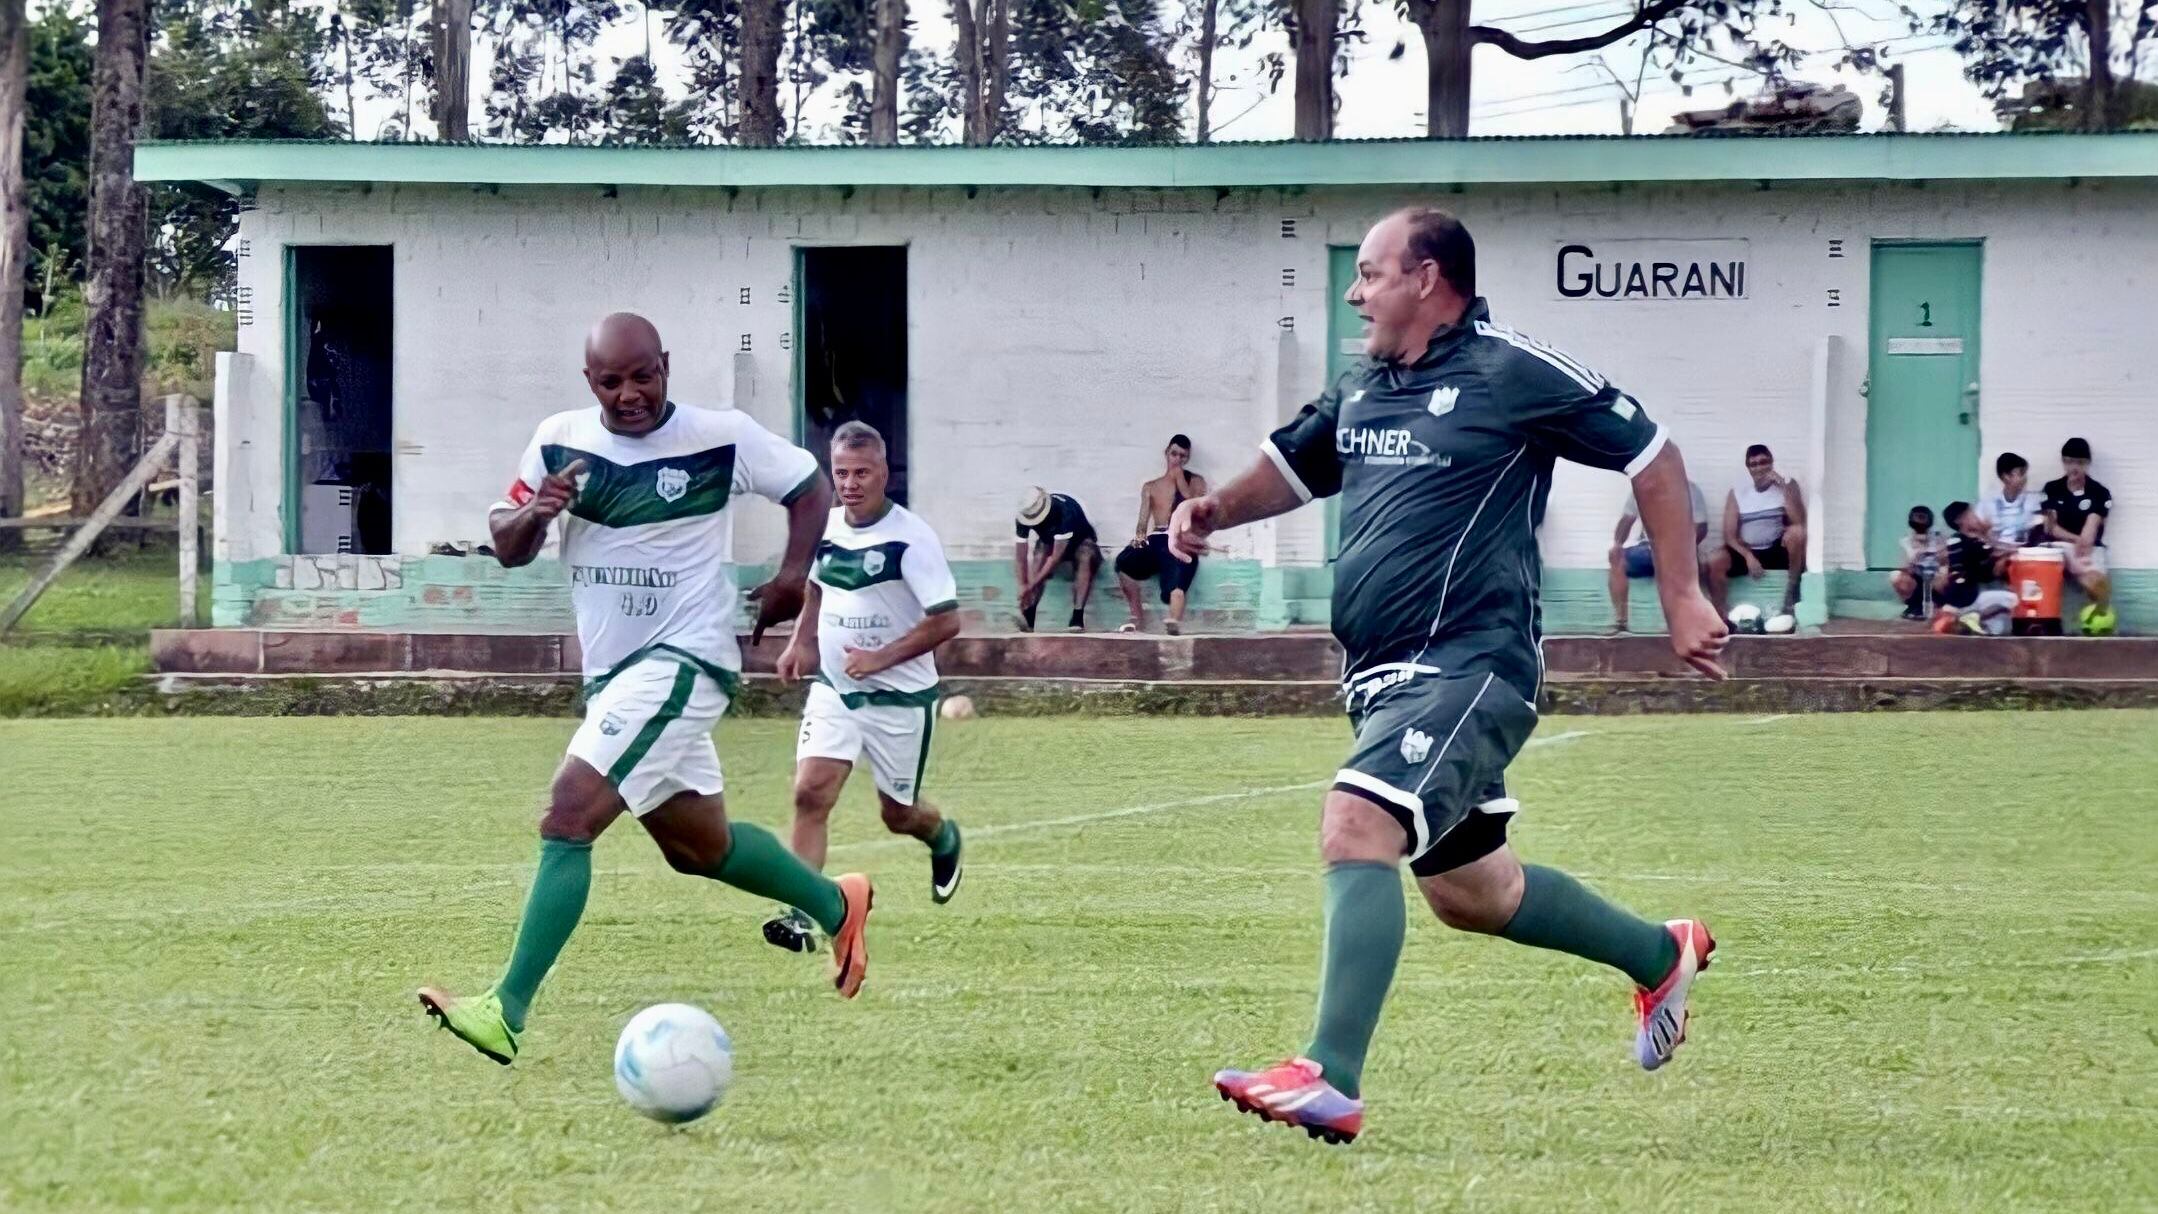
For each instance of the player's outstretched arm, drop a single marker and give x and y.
(1697, 632)
(1259, 492)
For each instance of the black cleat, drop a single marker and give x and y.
(793, 930)
(945, 871)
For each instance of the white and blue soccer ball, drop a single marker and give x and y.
(1746, 618)
(1782, 623)
(673, 1062)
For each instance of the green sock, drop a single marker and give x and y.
(758, 863)
(947, 840)
(1558, 912)
(551, 913)
(1365, 923)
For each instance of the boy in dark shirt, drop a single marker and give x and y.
(2076, 511)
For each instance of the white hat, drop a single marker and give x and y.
(1033, 505)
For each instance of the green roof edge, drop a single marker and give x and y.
(1588, 159)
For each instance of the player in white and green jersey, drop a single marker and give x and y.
(881, 599)
(644, 489)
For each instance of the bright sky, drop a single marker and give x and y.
(1560, 95)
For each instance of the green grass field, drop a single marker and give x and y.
(1932, 993)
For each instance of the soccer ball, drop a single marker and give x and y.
(1745, 618)
(957, 708)
(673, 1062)
(2098, 620)
(1780, 623)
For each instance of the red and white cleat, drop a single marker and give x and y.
(1663, 1011)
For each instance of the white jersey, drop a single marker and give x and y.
(1761, 516)
(876, 583)
(648, 543)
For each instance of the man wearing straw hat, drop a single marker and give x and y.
(1052, 529)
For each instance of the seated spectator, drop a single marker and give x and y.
(2076, 511)
(1913, 579)
(1147, 556)
(1968, 584)
(1634, 560)
(2015, 511)
(1053, 530)
(1764, 527)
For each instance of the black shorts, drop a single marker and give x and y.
(1432, 750)
(1154, 560)
(1081, 547)
(1773, 557)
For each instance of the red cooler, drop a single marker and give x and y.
(2035, 575)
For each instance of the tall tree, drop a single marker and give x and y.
(1222, 25)
(2058, 54)
(891, 44)
(450, 29)
(14, 252)
(1681, 28)
(709, 34)
(112, 336)
(636, 108)
(1094, 71)
(984, 66)
(1312, 32)
(763, 28)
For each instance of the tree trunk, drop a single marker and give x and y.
(1207, 17)
(453, 69)
(119, 228)
(762, 24)
(1315, 24)
(2098, 87)
(14, 255)
(1447, 51)
(884, 95)
(969, 52)
(996, 67)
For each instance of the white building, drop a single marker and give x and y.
(1886, 312)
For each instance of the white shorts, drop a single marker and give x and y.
(895, 737)
(2095, 561)
(649, 731)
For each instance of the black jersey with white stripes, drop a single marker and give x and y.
(1443, 467)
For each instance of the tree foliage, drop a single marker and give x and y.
(56, 151)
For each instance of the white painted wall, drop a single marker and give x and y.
(1058, 337)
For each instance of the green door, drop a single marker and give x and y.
(1922, 398)
(1344, 345)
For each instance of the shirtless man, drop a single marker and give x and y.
(1147, 556)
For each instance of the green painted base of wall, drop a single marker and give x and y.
(474, 594)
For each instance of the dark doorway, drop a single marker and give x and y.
(854, 349)
(339, 307)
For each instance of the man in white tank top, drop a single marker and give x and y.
(1764, 527)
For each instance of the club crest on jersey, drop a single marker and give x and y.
(1443, 400)
(872, 562)
(1415, 744)
(671, 484)
(611, 724)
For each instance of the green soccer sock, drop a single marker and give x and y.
(947, 840)
(758, 863)
(551, 913)
(1558, 912)
(1365, 923)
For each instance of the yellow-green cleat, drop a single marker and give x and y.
(477, 1021)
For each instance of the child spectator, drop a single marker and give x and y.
(2015, 511)
(1921, 561)
(2076, 512)
(1968, 583)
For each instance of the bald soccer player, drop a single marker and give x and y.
(644, 490)
(1441, 443)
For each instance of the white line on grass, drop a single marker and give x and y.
(1131, 811)
(1769, 720)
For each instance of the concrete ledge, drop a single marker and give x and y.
(556, 695)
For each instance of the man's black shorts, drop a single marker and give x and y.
(1775, 556)
(1154, 560)
(1432, 750)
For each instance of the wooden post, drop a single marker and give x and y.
(87, 534)
(183, 415)
(14, 253)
